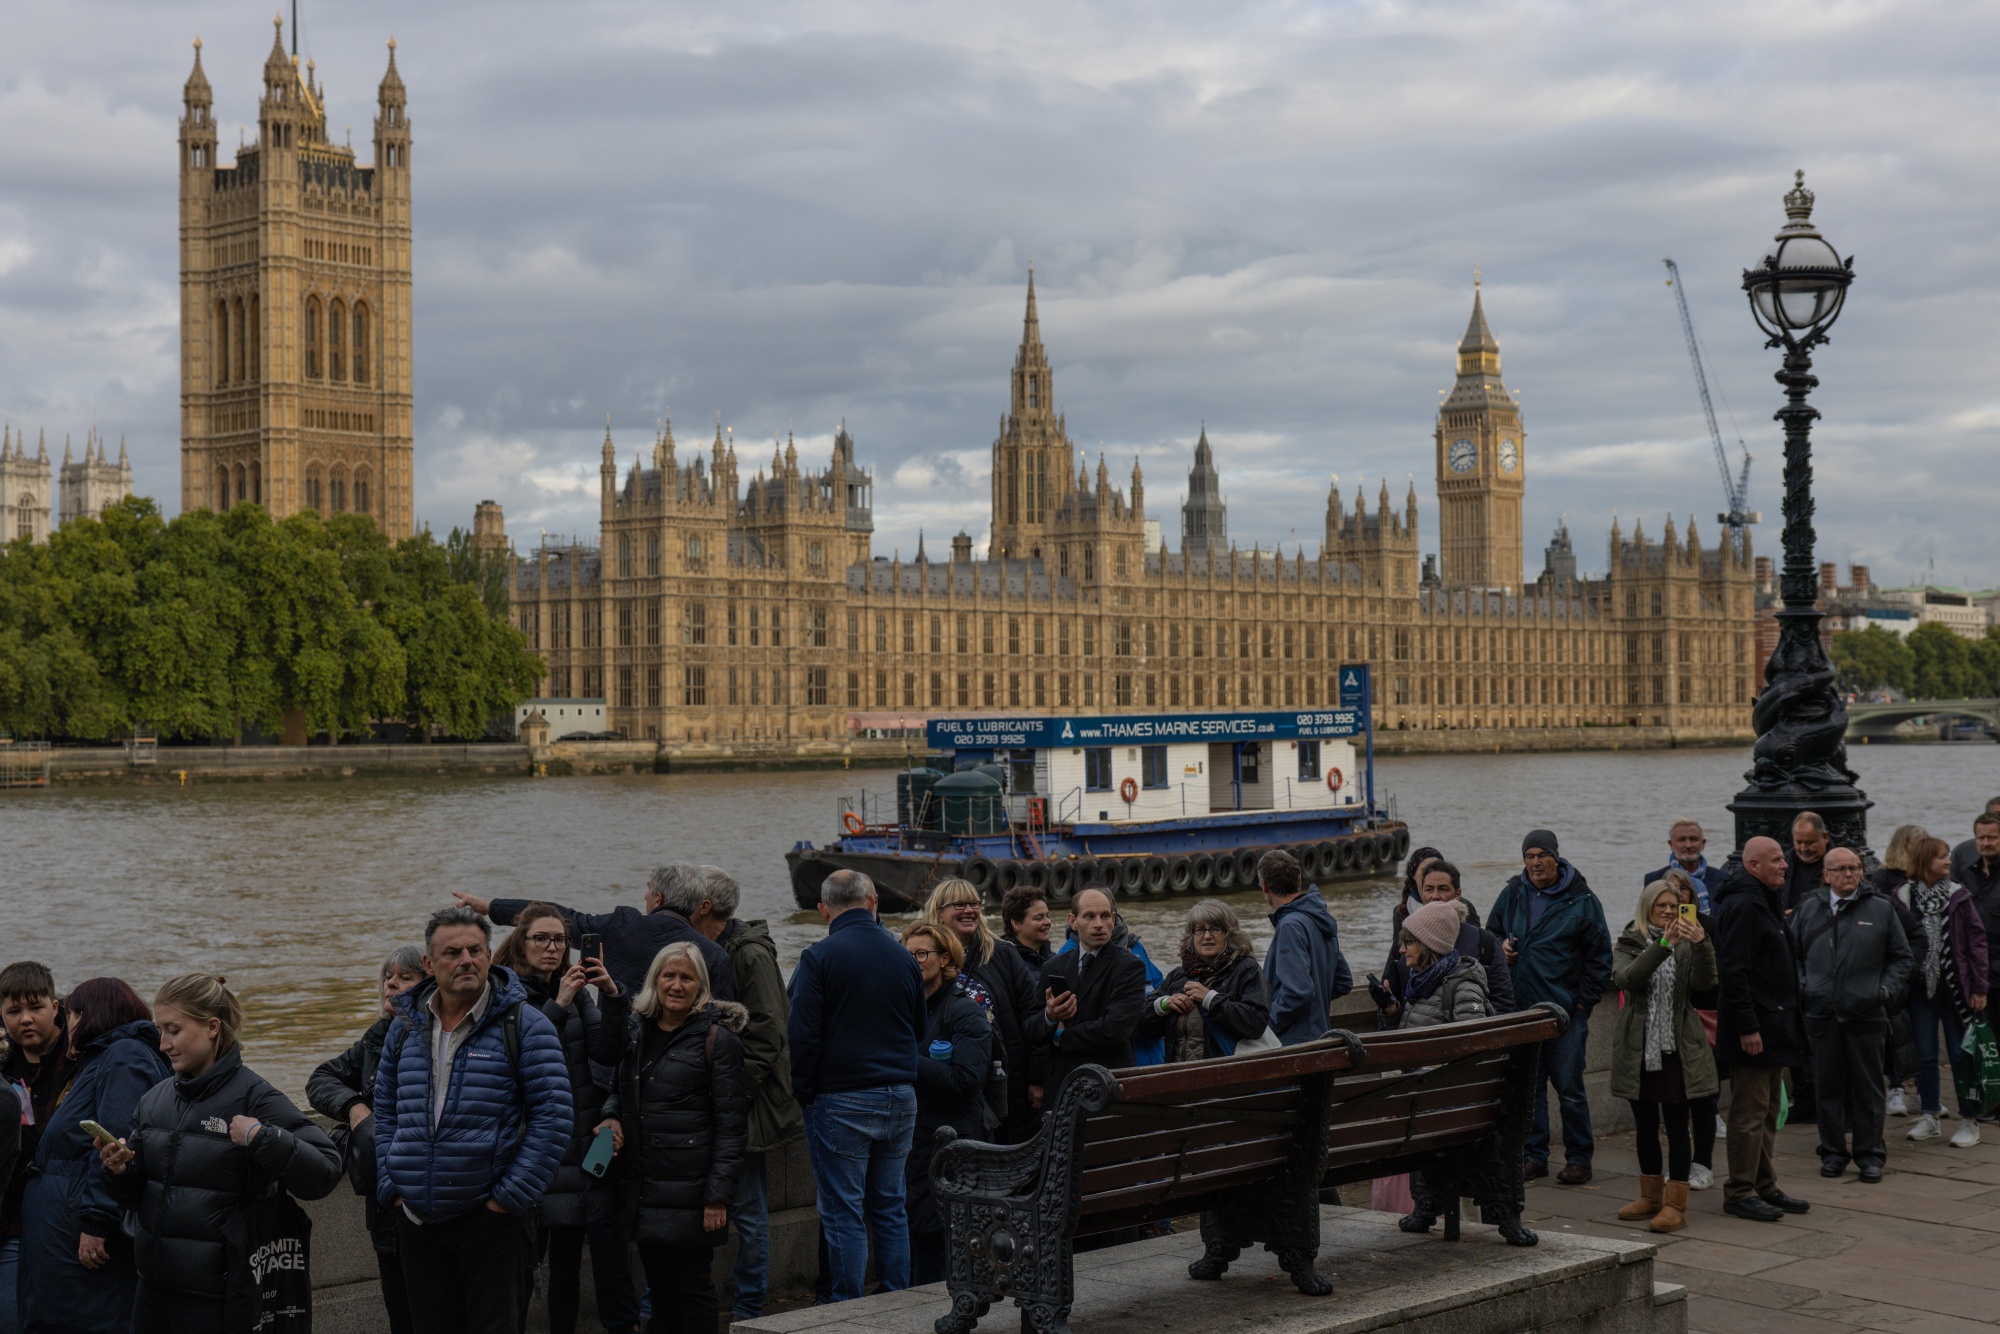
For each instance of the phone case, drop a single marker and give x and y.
(598, 1160)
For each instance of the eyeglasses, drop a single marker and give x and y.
(920, 955)
(542, 942)
(1208, 931)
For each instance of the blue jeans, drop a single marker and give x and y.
(1562, 1065)
(1926, 1013)
(10, 1266)
(752, 1208)
(858, 1141)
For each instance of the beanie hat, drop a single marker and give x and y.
(1435, 926)
(1541, 838)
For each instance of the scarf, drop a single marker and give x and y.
(1661, 1035)
(1200, 970)
(1931, 902)
(1422, 984)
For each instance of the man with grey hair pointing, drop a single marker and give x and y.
(858, 1015)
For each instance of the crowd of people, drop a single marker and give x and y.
(613, 1082)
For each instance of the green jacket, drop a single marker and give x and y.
(767, 1065)
(1633, 961)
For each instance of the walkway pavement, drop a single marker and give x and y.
(1919, 1252)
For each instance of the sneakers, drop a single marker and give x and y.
(1700, 1178)
(1722, 1127)
(1897, 1105)
(1927, 1127)
(1968, 1133)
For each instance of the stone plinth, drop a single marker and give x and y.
(1384, 1280)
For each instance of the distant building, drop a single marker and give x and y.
(565, 717)
(96, 482)
(1204, 516)
(24, 488)
(489, 526)
(1934, 604)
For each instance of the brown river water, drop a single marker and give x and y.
(295, 891)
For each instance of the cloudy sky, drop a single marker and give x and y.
(1264, 216)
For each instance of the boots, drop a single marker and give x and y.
(1673, 1209)
(1648, 1203)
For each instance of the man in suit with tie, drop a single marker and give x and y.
(1092, 996)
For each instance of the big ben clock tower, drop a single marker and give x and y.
(1481, 461)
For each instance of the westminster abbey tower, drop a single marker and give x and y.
(295, 306)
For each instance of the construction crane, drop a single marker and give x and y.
(1736, 489)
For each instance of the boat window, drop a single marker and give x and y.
(1097, 769)
(1247, 767)
(1153, 765)
(1021, 771)
(1308, 761)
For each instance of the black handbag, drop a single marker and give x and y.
(269, 1287)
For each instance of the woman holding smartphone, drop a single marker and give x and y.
(1660, 1058)
(206, 1145)
(76, 1262)
(579, 1206)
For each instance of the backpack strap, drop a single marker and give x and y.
(510, 1037)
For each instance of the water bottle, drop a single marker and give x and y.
(940, 1050)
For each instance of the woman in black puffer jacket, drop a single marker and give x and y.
(681, 1114)
(206, 1145)
(578, 1207)
(343, 1091)
(1014, 992)
(952, 1062)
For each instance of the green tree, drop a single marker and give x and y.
(467, 664)
(49, 681)
(486, 571)
(1942, 666)
(1873, 659)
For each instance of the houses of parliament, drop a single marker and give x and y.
(720, 609)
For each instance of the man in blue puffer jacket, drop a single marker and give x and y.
(472, 1115)
(1559, 951)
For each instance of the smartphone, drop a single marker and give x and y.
(1688, 914)
(98, 1132)
(598, 1160)
(591, 942)
(1059, 985)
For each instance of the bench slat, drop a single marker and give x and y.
(1167, 1170)
(1154, 1140)
(1433, 1046)
(1158, 1195)
(1384, 1136)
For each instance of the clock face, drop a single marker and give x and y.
(1510, 456)
(1464, 456)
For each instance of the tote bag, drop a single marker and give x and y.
(269, 1287)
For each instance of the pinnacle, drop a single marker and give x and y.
(1478, 336)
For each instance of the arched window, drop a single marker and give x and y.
(236, 361)
(312, 488)
(255, 362)
(336, 338)
(242, 484)
(257, 483)
(337, 492)
(24, 517)
(222, 488)
(361, 492)
(360, 348)
(222, 342)
(312, 338)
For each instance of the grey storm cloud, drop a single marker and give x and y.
(1263, 217)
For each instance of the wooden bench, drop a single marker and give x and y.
(1250, 1142)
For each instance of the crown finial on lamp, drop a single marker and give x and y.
(1798, 199)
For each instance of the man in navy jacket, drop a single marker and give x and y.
(1303, 967)
(857, 1018)
(1687, 842)
(472, 1116)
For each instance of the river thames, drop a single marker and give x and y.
(295, 891)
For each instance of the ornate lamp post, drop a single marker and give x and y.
(1796, 293)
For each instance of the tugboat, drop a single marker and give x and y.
(1150, 805)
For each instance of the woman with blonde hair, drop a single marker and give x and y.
(1948, 985)
(1899, 1055)
(997, 977)
(952, 1061)
(207, 1146)
(680, 1116)
(1217, 998)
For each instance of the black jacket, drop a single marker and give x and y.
(1852, 962)
(1239, 1007)
(1982, 882)
(594, 1033)
(335, 1087)
(631, 939)
(190, 1178)
(1030, 955)
(949, 1092)
(1108, 1007)
(857, 1011)
(46, 1080)
(1016, 995)
(1801, 879)
(1754, 961)
(1474, 943)
(686, 1114)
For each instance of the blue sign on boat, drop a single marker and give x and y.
(1135, 728)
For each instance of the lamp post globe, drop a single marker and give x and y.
(1796, 292)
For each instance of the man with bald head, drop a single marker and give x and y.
(1757, 1031)
(1854, 959)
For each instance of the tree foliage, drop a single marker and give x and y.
(213, 624)
(1934, 662)
(1873, 659)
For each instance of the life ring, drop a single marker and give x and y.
(1128, 791)
(853, 823)
(1334, 778)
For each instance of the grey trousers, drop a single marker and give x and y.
(1847, 1067)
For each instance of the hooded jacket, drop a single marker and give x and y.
(1853, 961)
(1474, 943)
(1757, 973)
(504, 1127)
(1636, 963)
(1565, 957)
(191, 1180)
(767, 1063)
(1967, 946)
(1459, 995)
(681, 1098)
(1304, 969)
(631, 938)
(950, 1092)
(339, 1084)
(593, 1033)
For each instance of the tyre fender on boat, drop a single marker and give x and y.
(1402, 844)
(1201, 872)
(1224, 879)
(1385, 849)
(1132, 874)
(1062, 878)
(1345, 853)
(1180, 875)
(1035, 875)
(1307, 856)
(1153, 875)
(981, 874)
(1246, 868)
(1364, 853)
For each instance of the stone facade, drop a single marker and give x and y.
(295, 306)
(722, 612)
(25, 488)
(95, 482)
